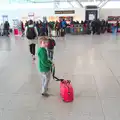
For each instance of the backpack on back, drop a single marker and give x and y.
(31, 33)
(51, 44)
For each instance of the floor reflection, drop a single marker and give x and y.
(5, 44)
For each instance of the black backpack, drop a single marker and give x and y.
(31, 33)
(51, 44)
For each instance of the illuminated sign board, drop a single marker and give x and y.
(65, 12)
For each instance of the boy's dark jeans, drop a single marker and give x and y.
(50, 54)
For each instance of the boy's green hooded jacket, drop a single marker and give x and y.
(44, 64)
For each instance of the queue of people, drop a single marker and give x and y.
(98, 26)
(88, 27)
(45, 28)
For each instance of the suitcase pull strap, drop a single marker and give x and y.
(57, 79)
(53, 74)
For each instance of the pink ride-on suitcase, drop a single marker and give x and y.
(66, 89)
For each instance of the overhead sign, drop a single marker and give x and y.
(65, 12)
(30, 14)
(91, 7)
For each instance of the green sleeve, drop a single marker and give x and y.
(44, 58)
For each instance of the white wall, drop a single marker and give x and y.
(104, 13)
(79, 13)
(40, 12)
(19, 13)
(21, 10)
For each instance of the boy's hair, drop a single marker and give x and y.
(44, 38)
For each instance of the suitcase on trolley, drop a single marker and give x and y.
(66, 89)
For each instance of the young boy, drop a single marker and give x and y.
(45, 65)
(50, 47)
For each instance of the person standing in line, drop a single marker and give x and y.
(117, 25)
(44, 65)
(22, 28)
(2, 29)
(93, 25)
(6, 28)
(57, 28)
(32, 36)
(64, 25)
(26, 23)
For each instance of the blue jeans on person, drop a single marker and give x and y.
(71, 30)
(45, 77)
(114, 30)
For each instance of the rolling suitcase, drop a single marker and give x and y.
(66, 89)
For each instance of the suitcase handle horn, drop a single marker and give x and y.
(68, 81)
(57, 79)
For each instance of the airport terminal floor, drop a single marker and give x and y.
(90, 62)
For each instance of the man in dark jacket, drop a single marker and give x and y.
(98, 26)
(93, 24)
(6, 28)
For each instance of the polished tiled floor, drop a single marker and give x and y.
(91, 62)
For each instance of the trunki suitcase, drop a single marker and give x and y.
(66, 89)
